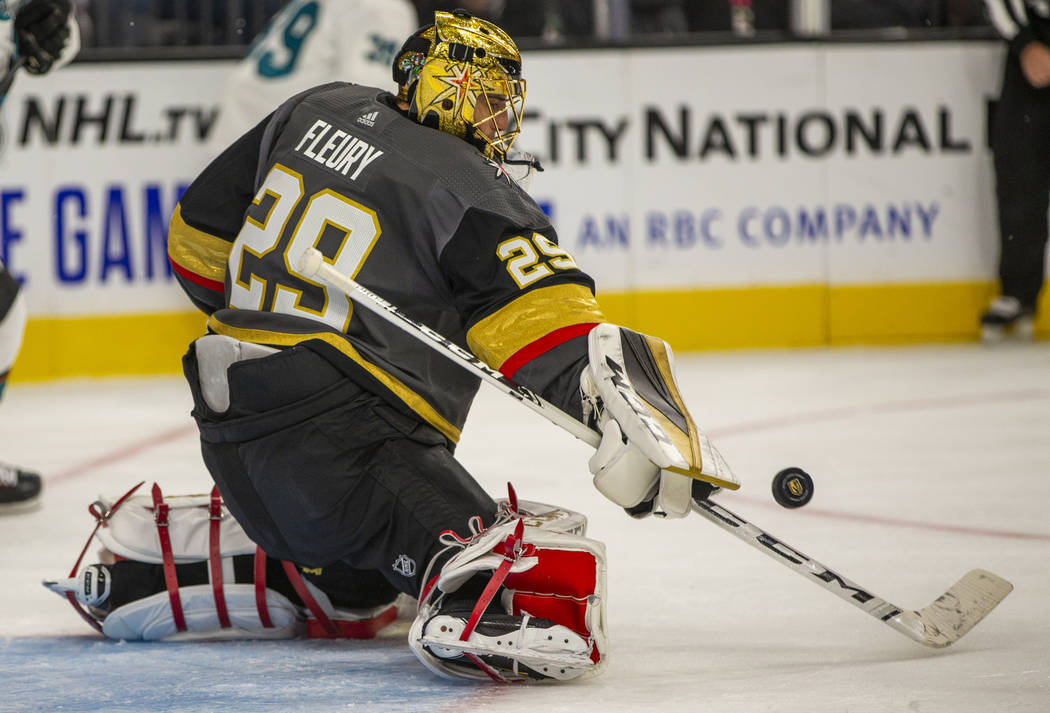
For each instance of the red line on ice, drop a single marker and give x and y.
(145, 444)
(900, 522)
(805, 418)
(132, 449)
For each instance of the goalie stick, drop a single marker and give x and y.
(312, 264)
(940, 624)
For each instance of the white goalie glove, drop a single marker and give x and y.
(651, 451)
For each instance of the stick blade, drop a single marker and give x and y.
(958, 610)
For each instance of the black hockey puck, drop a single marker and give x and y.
(792, 487)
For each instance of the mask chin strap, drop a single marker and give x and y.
(520, 166)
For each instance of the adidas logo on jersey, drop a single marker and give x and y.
(368, 119)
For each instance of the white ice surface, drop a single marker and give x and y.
(928, 461)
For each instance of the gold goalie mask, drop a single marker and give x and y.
(462, 75)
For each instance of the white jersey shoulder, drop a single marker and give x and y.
(7, 32)
(312, 42)
(1010, 17)
(7, 41)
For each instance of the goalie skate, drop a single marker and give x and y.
(19, 490)
(518, 647)
(522, 600)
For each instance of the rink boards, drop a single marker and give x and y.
(785, 195)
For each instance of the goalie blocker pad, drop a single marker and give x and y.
(631, 380)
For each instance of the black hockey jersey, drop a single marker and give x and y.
(413, 214)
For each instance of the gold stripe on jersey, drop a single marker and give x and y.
(197, 251)
(531, 316)
(286, 339)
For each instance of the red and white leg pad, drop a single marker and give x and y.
(541, 615)
(150, 618)
(170, 531)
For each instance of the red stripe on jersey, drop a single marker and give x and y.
(543, 345)
(197, 279)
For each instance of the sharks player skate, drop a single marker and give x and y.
(331, 434)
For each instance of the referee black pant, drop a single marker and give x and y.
(1021, 146)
